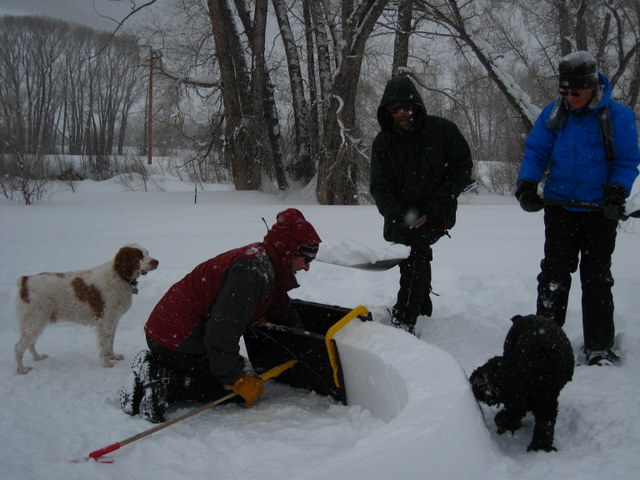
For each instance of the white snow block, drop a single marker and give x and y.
(633, 200)
(433, 425)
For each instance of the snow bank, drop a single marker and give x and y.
(68, 405)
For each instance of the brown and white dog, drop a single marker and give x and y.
(98, 297)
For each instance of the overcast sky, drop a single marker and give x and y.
(85, 12)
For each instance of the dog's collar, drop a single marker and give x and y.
(134, 284)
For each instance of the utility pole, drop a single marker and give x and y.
(153, 57)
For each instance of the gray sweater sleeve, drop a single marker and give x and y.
(245, 284)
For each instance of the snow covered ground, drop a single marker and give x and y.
(67, 406)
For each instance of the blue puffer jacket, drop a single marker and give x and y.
(575, 155)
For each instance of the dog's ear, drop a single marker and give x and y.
(127, 261)
(516, 318)
(486, 382)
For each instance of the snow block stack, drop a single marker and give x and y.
(398, 378)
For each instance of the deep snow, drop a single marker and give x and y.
(67, 406)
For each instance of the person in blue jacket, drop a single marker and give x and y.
(587, 158)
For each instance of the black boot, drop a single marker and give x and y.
(406, 322)
(553, 297)
(132, 391)
(155, 380)
(426, 307)
(415, 285)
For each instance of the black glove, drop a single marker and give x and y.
(396, 231)
(433, 212)
(422, 238)
(527, 195)
(614, 197)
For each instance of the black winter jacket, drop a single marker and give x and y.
(419, 172)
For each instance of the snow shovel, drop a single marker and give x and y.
(97, 454)
(374, 266)
(587, 206)
(387, 263)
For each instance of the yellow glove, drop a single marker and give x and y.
(248, 387)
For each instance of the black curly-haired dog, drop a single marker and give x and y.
(536, 364)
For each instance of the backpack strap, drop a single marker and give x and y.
(606, 130)
(558, 116)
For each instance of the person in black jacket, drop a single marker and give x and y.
(419, 166)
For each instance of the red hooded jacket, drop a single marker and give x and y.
(209, 309)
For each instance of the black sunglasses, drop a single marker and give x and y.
(307, 259)
(401, 107)
(573, 93)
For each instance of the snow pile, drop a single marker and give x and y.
(350, 252)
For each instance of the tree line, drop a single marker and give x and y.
(65, 88)
(285, 92)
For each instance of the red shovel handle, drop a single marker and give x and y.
(103, 451)
(96, 454)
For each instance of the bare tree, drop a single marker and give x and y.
(610, 29)
(266, 117)
(244, 114)
(12, 123)
(341, 148)
(57, 94)
(303, 168)
(120, 83)
(559, 25)
(457, 21)
(30, 80)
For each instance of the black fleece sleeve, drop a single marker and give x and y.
(382, 184)
(458, 166)
(246, 282)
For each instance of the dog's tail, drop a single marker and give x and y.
(23, 291)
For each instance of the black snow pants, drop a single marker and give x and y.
(194, 381)
(415, 286)
(587, 239)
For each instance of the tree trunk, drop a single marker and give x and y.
(564, 27)
(239, 145)
(338, 166)
(265, 120)
(337, 170)
(303, 168)
(581, 26)
(312, 121)
(401, 43)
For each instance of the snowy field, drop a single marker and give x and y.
(68, 405)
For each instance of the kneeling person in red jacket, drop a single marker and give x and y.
(193, 333)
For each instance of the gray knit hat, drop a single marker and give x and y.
(578, 70)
